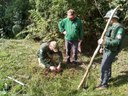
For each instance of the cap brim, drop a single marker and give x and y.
(106, 17)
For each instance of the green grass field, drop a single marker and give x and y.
(18, 60)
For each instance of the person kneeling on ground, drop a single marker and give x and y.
(45, 55)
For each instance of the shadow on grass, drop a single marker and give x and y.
(73, 66)
(121, 79)
(78, 66)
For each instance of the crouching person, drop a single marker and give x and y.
(45, 56)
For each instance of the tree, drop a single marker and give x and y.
(13, 11)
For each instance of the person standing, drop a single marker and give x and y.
(72, 28)
(111, 47)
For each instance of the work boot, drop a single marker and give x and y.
(68, 61)
(101, 87)
(74, 63)
(110, 79)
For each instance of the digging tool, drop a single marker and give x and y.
(96, 51)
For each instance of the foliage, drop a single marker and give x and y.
(39, 18)
(16, 29)
(123, 12)
(44, 17)
(13, 11)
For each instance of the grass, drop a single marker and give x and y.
(18, 60)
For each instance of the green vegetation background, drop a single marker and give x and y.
(22, 22)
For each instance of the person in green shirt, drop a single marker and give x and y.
(111, 47)
(45, 55)
(72, 28)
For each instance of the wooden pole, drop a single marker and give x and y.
(16, 81)
(96, 51)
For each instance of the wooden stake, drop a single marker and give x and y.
(16, 81)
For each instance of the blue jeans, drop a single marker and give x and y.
(71, 47)
(106, 65)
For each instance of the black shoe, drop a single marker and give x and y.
(110, 79)
(74, 63)
(68, 62)
(98, 86)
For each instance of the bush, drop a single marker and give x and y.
(16, 29)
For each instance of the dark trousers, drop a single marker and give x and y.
(71, 47)
(106, 65)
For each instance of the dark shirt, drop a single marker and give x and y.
(45, 55)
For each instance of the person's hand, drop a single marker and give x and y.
(58, 67)
(52, 68)
(100, 41)
(101, 50)
(64, 32)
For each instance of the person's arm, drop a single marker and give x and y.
(44, 57)
(116, 42)
(81, 31)
(58, 67)
(81, 34)
(61, 26)
(60, 56)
